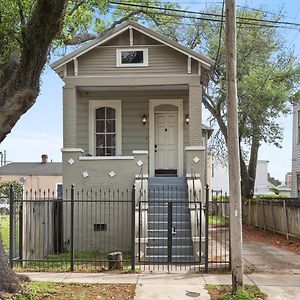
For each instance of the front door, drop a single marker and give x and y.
(166, 152)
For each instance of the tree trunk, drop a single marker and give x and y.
(19, 90)
(244, 179)
(9, 282)
(252, 165)
(115, 261)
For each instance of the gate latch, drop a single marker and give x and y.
(173, 231)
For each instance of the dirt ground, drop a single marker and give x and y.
(66, 291)
(269, 238)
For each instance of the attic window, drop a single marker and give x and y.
(132, 57)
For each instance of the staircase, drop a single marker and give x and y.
(168, 204)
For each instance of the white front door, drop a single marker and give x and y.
(166, 134)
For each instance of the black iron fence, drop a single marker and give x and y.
(167, 228)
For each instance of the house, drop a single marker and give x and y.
(220, 178)
(295, 191)
(131, 102)
(36, 176)
(132, 117)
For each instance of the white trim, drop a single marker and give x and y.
(92, 47)
(152, 104)
(121, 31)
(189, 63)
(93, 105)
(72, 150)
(194, 148)
(130, 36)
(137, 152)
(143, 176)
(199, 68)
(65, 71)
(106, 157)
(175, 48)
(133, 65)
(75, 66)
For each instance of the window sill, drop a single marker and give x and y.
(87, 158)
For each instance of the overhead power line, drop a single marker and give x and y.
(213, 16)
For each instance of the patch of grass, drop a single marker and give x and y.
(4, 230)
(218, 220)
(83, 261)
(76, 291)
(224, 292)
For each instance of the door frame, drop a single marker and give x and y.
(152, 104)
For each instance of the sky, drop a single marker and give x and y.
(39, 131)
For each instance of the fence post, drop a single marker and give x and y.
(273, 219)
(72, 230)
(206, 227)
(286, 220)
(133, 229)
(21, 232)
(11, 226)
(249, 211)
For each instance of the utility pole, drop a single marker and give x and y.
(233, 149)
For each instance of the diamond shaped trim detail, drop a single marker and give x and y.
(71, 161)
(112, 174)
(85, 174)
(139, 163)
(196, 159)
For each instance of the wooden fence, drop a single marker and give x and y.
(280, 215)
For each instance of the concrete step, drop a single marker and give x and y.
(157, 233)
(164, 258)
(176, 250)
(160, 217)
(163, 241)
(166, 180)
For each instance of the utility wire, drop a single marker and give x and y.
(220, 35)
(203, 14)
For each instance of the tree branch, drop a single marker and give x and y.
(79, 39)
(20, 91)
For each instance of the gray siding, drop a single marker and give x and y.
(296, 151)
(135, 135)
(139, 39)
(102, 61)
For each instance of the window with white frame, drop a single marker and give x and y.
(105, 128)
(105, 131)
(137, 57)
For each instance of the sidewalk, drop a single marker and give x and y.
(180, 286)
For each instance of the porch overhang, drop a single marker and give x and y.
(131, 81)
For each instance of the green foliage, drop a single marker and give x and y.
(4, 230)
(218, 220)
(249, 292)
(5, 187)
(270, 196)
(81, 17)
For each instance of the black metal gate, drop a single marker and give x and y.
(171, 232)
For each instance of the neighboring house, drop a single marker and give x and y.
(132, 115)
(296, 151)
(220, 179)
(36, 176)
(288, 180)
(131, 97)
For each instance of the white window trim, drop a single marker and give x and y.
(93, 105)
(119, 57)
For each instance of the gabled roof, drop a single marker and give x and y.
(206, 62)
(32, 168)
